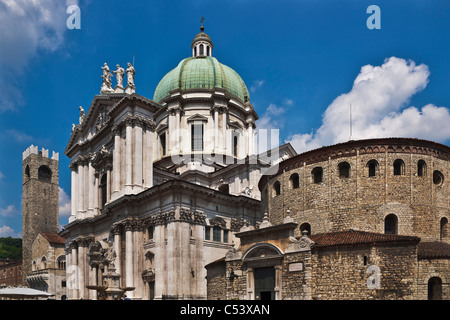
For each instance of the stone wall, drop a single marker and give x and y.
(362, 201)
(216, 283)
(429, 268)
(342, 273)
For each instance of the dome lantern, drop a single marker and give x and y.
(202, 45)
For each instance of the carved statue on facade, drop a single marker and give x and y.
(106, 76)
(130, 75)
(120, 72)
(82, 115)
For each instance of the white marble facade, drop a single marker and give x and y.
(165, 207)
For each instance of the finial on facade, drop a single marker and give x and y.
(265, 222)
(202, 28)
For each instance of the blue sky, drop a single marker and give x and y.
(303, 61)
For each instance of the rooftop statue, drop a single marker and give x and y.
(130, 75)
(119, 75)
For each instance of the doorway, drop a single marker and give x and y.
(264, 283)
(435, 288)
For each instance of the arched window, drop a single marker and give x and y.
(391, 224)
(399, 167)
(295, 181)
(43, 263)
(27, 171)
(444, 229)
(201, 50)
(195, 51)
(372, 166)
(208, 51)
(438, 178)
(435, 288)
(317, 175)
(344, 170)
(421, 168)
(61, 262)
(45, 174)
(276, 188)
(305, 227)
(103, 191)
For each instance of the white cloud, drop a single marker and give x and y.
(9, 211)
(64, 203)
(256, 85)
(271, 119)
(18, 136)
(28, 26)
(1, 175)
(6, 231)
(378, 99)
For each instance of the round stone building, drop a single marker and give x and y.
(363, 219)
(392, 186)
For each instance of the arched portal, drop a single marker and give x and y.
(264, 271)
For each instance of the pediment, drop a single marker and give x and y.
(197, 117)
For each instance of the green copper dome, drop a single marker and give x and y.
(203, 72)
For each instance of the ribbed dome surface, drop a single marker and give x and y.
(201, 73)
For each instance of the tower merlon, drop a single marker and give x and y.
(43, 153)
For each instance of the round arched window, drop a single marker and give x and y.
(438, 178)
(45, 174)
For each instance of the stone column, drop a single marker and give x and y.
(90, 188)
(137, 265)
(224, 129)
(93, 271)
(159, 263)
(178, 133)
(137, 155)
(82, 269)
(129, 255)
(68, 251)
(108, 182)
(96, 182)
(128, 156)
(149, 156)
(250, 139)
(216, 128)
(250, 284)
(81, 189)
(116, 230)
(278, 282)
(74, 192)
(172, 259)
(116, 160)
(72, 279)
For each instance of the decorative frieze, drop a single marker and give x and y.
(101, 158)
(192, 216)
(238, 223)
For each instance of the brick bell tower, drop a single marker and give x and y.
(40, 202)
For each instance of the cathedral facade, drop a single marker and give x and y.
(172, 200)
(159, 187)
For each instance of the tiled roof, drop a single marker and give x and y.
(354, 237)
(53, 238)
(434, 250)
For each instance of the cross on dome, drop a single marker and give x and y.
(202, 45)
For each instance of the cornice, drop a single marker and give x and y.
(362, 147)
